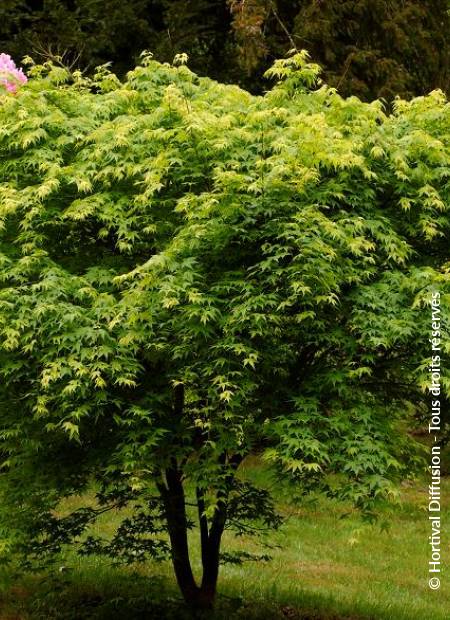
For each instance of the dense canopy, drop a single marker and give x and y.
(190, 272)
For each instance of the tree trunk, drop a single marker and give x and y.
(203, 596)
(210, 547)
(175, 509)
(211, 556)
(172, 494)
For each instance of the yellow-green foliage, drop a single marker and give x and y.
(188, 271)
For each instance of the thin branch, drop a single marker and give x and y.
(283, 26)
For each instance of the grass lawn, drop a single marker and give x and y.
(326, 567)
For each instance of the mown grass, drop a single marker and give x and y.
(324, 567)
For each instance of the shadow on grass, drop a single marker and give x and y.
(132, 596)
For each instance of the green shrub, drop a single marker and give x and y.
(187, 272)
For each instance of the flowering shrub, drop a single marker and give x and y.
(10, 76)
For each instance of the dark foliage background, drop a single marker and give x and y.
(370, 48)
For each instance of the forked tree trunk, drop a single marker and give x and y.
(172, 493)
(196, 596)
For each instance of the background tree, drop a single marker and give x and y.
(87, 33)
(378, 48)
(189, 271)
(370, 48)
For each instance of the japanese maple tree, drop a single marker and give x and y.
(189, 273)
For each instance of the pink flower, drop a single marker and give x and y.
(10, 76)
